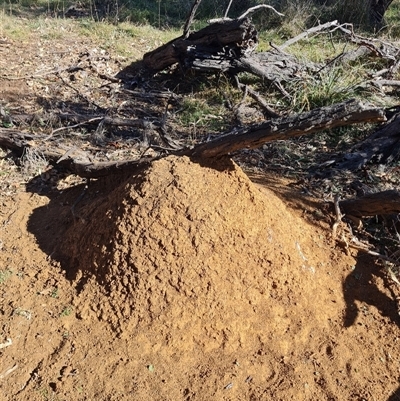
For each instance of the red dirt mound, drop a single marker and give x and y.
(201, 256)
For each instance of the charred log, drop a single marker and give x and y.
(237, 36)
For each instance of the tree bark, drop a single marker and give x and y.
(236, 35)
(380, 203)
(377, 12)
(254, 136)
(382, 146)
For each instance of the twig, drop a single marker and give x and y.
(189, 21)
(356, 244)
(6, 344)
(308, 32)
(385, 82)
(80, 94)
(255, 8)
(66, 154)
(257, 97)
(34, 76)
(339, 216)
(8, 371)
(91, 120)
(80, 197)
(282, 90)
(339, 56)
(173, 145)
(227, 9)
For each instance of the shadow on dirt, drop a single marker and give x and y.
(362, 285)
(51, 223)
(395, 395)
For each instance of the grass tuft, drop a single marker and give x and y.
(5, 275)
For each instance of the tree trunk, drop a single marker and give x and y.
(377, 10)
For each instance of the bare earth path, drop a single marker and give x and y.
(185, 282)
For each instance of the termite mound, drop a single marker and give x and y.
(198, 255)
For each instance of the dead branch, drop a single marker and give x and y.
(189, 21)
(227, 9)
(268, 110)
(254, 136)
(74, 160)
(79, 120)
(385, 82)
(214, 37)
(381, 146)
(308, 32)
(259, 7)
(79, 162)
(380, 203)
(8, 371)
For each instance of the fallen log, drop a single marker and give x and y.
(382, 146)
(254, 136)
(272, 66)
(380, 203)
(228, 46)
(239, 35)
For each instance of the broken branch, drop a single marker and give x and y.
(347, 113)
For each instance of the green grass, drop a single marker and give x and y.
(5, 275)
(330, 86)
(67, 311)
(27, 314)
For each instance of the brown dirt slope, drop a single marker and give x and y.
(186, 282)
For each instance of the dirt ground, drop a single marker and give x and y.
(182, 282)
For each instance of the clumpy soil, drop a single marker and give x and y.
(186, 282)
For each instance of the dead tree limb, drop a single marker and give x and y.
(381, 147)
(80, 163)
(254, 136)
(237, 33)
(309, 32)
(380, 203)
(252, 10)
(189, 21)
(74, 160)
(268, 110)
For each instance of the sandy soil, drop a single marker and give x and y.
(184, 282)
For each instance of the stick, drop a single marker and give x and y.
(257, 97)
(8, 371)
(186, 28)
(227, 9)
(6, 344)
(91, 120)
(339, 216)
(308, 32)
(255, 8)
